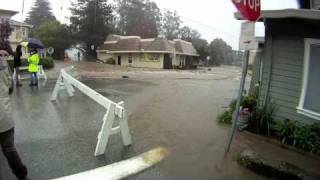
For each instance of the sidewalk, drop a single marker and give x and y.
(273, 150)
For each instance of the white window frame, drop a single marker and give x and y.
(300, 109)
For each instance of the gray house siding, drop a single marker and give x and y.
(283, 73)
(315, 4)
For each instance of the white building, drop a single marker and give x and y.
(20, 30)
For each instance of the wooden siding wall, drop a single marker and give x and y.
(283, 64)
(316, 4)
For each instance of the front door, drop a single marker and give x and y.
(119, 60)
(167, 62)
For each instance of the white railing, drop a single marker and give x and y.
(114, 111)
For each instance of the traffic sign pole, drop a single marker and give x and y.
(250, 10)
(236, 111)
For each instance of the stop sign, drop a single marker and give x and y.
(249, 9)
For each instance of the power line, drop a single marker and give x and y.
(210, 27)
(22, 8)
(234, 37)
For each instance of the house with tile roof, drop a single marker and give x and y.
(158, 52)
(20, 30)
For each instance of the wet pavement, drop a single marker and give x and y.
(58, 139)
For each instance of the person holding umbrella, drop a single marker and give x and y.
(17, 63)
(33, 68)
(34, 59)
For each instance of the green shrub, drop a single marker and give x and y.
(233, 105)
(249, 102)
(111, 61)
(47, 63)
(285, 130)
(302, 136)
(262, 119)
(225, 117)
(246, 102)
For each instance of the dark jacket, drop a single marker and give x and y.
(17, 59)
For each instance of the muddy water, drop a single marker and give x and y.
(181, 115)
(58, 139)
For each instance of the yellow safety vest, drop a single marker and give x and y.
(33, 61)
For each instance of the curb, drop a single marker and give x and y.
(278, 143)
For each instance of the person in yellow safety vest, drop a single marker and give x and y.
(33, 61)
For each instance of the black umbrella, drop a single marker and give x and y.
(33, 43)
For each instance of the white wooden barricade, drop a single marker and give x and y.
(122, 169)
(41, 73)
(115, 111)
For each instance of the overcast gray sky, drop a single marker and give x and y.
(212, 18)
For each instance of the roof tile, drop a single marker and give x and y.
(135, 43)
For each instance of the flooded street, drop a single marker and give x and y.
(58, 139)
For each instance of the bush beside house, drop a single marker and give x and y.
(47, 63)
(293, 133)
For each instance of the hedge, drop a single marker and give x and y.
(47, 63)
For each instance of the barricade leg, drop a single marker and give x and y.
(41, 73)
(69, 87)
(125, 132)
(14, 75)
(105, 131)
(56, 88)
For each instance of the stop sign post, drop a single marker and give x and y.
(249, 9)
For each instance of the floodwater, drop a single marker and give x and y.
(58, 138)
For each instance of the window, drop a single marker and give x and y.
(18, 32)
(154, 57)
(310, 98)
(23, 31)
(130, 59)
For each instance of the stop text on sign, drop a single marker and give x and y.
(253, 4)
(250, 9)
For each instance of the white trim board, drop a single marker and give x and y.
(286, 13)
(300, 108)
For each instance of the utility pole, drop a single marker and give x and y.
(22, 10)
(95, 12)
(95, 23)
